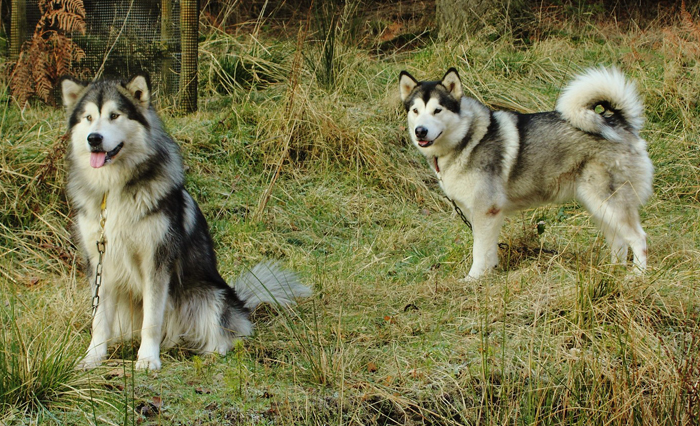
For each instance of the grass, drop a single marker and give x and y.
(391, 336)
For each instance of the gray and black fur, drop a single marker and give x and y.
(159, 270)
(492, 163)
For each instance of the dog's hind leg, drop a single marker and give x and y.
(622, 230)
(219, 321)
(618, 246)
(621, 226)
(633, 235)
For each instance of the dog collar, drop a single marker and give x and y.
(437, 167)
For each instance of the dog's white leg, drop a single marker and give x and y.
(638, 242)
(622, 236)
(633, 235)
(622, 228)
(155, 298)
(486, 227)
(101, 330)
(618, 247)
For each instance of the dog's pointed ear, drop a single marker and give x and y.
(406, 84)
(452, 83)
(140, 88)
(71, 91)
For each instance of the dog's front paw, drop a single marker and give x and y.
(149, 356)
(475, 273)
(479, 269)
(148, 363)
(469, 279)
(89, 362)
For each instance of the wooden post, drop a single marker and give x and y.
(18, 26)
(189, 29)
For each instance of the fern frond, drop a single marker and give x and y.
(75, 6)
(50, 53)
(64, 21)
(21, 78)
(65, 53)
(39, 56)
(71, 22)
(44, 5)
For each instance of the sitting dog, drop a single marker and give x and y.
(144, 238)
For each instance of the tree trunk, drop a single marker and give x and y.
(189, 28)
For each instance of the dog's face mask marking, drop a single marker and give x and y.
(103, 132)
(424, 121)
(432, 107)
(104, 121)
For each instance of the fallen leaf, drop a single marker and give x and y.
(200, 390)
(117, 372)
(31, 281)
(147, 409)
(157, 402)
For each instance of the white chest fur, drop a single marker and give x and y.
(131, 241)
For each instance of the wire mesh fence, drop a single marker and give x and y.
(126, 37)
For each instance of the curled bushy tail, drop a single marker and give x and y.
(268, 282)
(619, 107)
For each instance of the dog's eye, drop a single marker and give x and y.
(114, 116)
(415, 110)
(88, 118)
(437, 111)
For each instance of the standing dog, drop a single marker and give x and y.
(492, 163)
(158, 272)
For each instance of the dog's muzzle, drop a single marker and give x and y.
(421, 135)
(98, 156)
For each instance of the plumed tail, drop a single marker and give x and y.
(602, 101)
(268, 282)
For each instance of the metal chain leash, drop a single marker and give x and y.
(100, 252)
(460, 213)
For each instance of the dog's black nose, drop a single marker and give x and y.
(421, 132)
(94, 139)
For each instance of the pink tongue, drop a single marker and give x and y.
(97, 159)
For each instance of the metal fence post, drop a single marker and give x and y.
(18, 26)
(189, 30)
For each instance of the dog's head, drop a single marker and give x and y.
(107, 119)
(433, 109)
